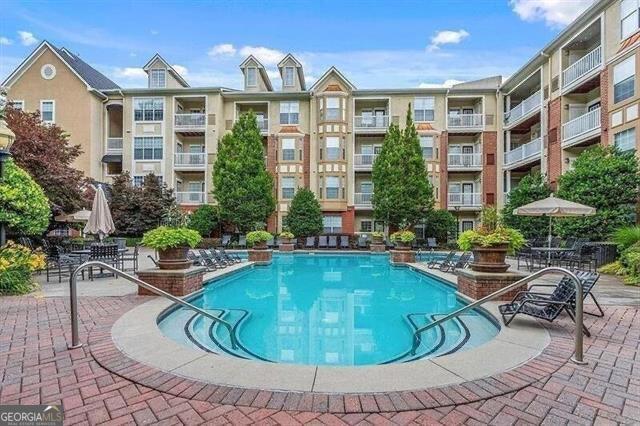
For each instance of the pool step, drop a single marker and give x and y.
(212, 337)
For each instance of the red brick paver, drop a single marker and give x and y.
(36, 367)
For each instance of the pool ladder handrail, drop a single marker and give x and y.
(578, 355)
(75, 339)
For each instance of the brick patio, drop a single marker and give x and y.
(36, 367)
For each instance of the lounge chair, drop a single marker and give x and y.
(310, 243)
(215, 254)
(389, 245)
(209, 261)
(226, 239)
(333, 242)
(344, 242)
(432, 244)
(271, 242)
(232, 258)
(454, 264)
(363, 242)
(435, 263)
(242, 241)
(322, 241)
(198, 261)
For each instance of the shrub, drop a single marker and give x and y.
(403, 236)
(626, 237)
(23, 205)
(628, 266)
(254, 237)
(439, 224)
(204, 219)
(163, 238)
(491, 233)
(377, 234)
(287, 234)
(531, 188)
(17, 263)
(305, 216)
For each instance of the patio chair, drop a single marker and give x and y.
(389, 245)
(233, 256)
(271, 242)
(432, 244)
(454, 264)
(436, 263)
(344, 242)
(130, 257)
(242, 241)
(322, 241)
(333, 242)
(310, 243)
(226, 240)
(62, 264)
(363, 242)
(586, 255)
(215, 255)
(209, 261)
(106, 253)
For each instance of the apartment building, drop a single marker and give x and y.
(478, 138)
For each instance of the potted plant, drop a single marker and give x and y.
(403, 239)
(377, 237)
(286, 237)
(490, 243)
(258, 239)
(172, 245)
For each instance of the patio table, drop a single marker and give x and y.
(551, 250)
(87, 253)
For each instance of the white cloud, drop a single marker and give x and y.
(264, 54)
(447, 84)
(4, 41)
(130, 73)
(27, 38)
(555, 13)
(224, 49)
(447, 37)
(154, 32)
(182, 70)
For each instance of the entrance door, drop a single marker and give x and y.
(379, 117)
(467, 160)
(467, 194)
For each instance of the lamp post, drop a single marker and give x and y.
(6, 140)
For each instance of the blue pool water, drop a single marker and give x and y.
(328, 309)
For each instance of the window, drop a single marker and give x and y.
(366, 226)
(288, 76)
(625, 140)
(148, 109)
(629, 17)
(17, 105)
(138, 181)
(289, 112)
(423, 109)
(147, 148)
(332, 224)
(114, 169)
(332, 187)
(378, 226)
(48, 111)
(466, 225)
(426, 145)
(288, 184)
(366, 187)
(624, 80)
(332, 111)
(332, 144)
(252, 77)
(288, 149)
(157, 78)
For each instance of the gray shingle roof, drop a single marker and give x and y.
(92, 76)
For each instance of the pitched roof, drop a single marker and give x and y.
(90, 75)
(171, 70)
(261, 69)
(303, 84)
(333, 70)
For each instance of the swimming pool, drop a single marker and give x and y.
(328, 309)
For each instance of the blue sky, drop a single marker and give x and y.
(374, 43)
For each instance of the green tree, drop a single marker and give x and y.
(305, 216)
(604, 178)
(204, 219)
(439, 224)
(23, 205)
(155, 200)
(531, 188)
(402, 193)
(241, 184)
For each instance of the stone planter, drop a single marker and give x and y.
(490, 259)
(402, 246)
(261, 245)
(377, 240)
(260, 257)
(173, 258)
(286, 245)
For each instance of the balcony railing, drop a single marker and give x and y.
(362, 198)
(462, 161)
(529, 149)
(465, 199)
(190, 197)
(465, 121)
(380, 122)
(189, 159)
(581, 125)
(190, 121)
(364, 161)
(582, 66)
(114, 144)
(523, 108)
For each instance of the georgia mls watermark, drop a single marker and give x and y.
(31, 415)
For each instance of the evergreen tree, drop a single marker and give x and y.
(439, 224)
(402, 193)
(532, 187)
(305, 215)
(155, 199)
(204, 219)
(241, 184)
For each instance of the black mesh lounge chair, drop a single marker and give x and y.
(344, 242)
(454, 264)
(242, 241)
(226, 257)
(197, 260)
(436, 263)
(219, 258)
(226, 239)
(389, 245)
(230, 256)
(363, 242)
(333, 242)
(310, 243)
(209, 261)
(432, 244)
(322, 241)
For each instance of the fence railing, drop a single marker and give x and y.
(465, 199)
(582, 66)
(464, 160)
(190, 197)
(190, 159)
(364, 161)
(523, 108)
(522, 152)
(465, 121)
(362, 198)
(581, 125)
(189, 121)
(371, 122)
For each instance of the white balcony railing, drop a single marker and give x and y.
(364, 161)
(362, 198)
(581, 125)
(263, 124)
(185, 159)
(465, 121)
(371, 122)
(465, 199)
(190, 197)
(462, 161)
(523, 108)
(582, 66)
(114, 144)
(190, 121)
(529, 149)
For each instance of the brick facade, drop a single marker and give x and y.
(260, 256)
(489, 170)
(403, 256)
(348, 220)
(553, 142)
(444, 180)
(480, 284)
(178, 282)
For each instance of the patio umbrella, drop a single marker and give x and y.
(554, 207)
(100, 222)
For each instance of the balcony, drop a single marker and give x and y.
(465, 161)
(190, 197)
(114, 144)
(362, 199)
(363, 161)
(523, 109)
(192, 161)
(581, 68)
(581, 128)
(465, 199)
(190, 122)
(368, 123)
(528, 151)
(465, 121)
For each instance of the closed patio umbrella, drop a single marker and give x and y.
(100, 222)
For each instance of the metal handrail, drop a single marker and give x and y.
(578, 356)
(75, 339)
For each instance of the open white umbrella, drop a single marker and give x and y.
(554, 207)
(100, 222)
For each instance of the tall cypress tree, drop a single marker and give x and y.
(241, 184)
(305, 215)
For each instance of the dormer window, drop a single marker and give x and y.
(252, 77)
(157, 78)
(288, 76)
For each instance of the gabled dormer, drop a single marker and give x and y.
(162, 75)
(333, 81)
(255, 76)
(292, 74)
